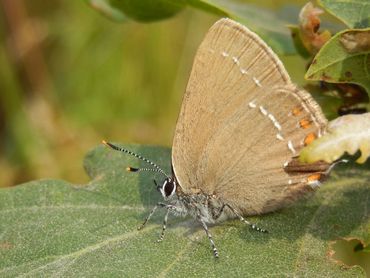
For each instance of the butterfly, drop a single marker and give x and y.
(238, 136)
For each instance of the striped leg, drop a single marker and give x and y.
(164, 225)
(215, 252)
(150, 214)
(241, 218)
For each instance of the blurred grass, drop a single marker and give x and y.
(70, 77)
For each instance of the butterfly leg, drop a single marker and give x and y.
(241, 218)
(215, 252)
(164, 225)
(151, 213)
(169, 208)
(162, 205)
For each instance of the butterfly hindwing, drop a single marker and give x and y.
(241, 123)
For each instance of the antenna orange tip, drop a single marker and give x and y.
(131, 169)
(104, 142)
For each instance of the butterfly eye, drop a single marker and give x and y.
(168, 188)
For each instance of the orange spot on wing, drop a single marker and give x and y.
(314, 177)
(309, 138)
(304, 123)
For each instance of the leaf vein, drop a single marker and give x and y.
(92, 207)
(73, 256)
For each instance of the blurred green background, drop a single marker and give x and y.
(70, 77)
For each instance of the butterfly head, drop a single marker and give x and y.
(168, 188)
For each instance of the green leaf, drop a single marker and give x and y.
(327, 98)
(109, 11)
(350, 252)
(355, 14)
(53, 228)
(297, 41)
(207, 6)
(345, 58)
(268, 24)
(348, 133)
(143, 10)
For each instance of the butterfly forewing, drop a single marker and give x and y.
(241, 124)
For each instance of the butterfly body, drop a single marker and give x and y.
(197, 204)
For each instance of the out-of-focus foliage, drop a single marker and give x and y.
(144, 10)
(92, 79)
(270, 25)
(70, 77)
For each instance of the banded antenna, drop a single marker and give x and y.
(131, 169)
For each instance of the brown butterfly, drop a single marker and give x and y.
(241, 127)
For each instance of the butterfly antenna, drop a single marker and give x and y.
(131, 169)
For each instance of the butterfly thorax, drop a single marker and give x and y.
(199, 205)
(196, 203)
(208, 208)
